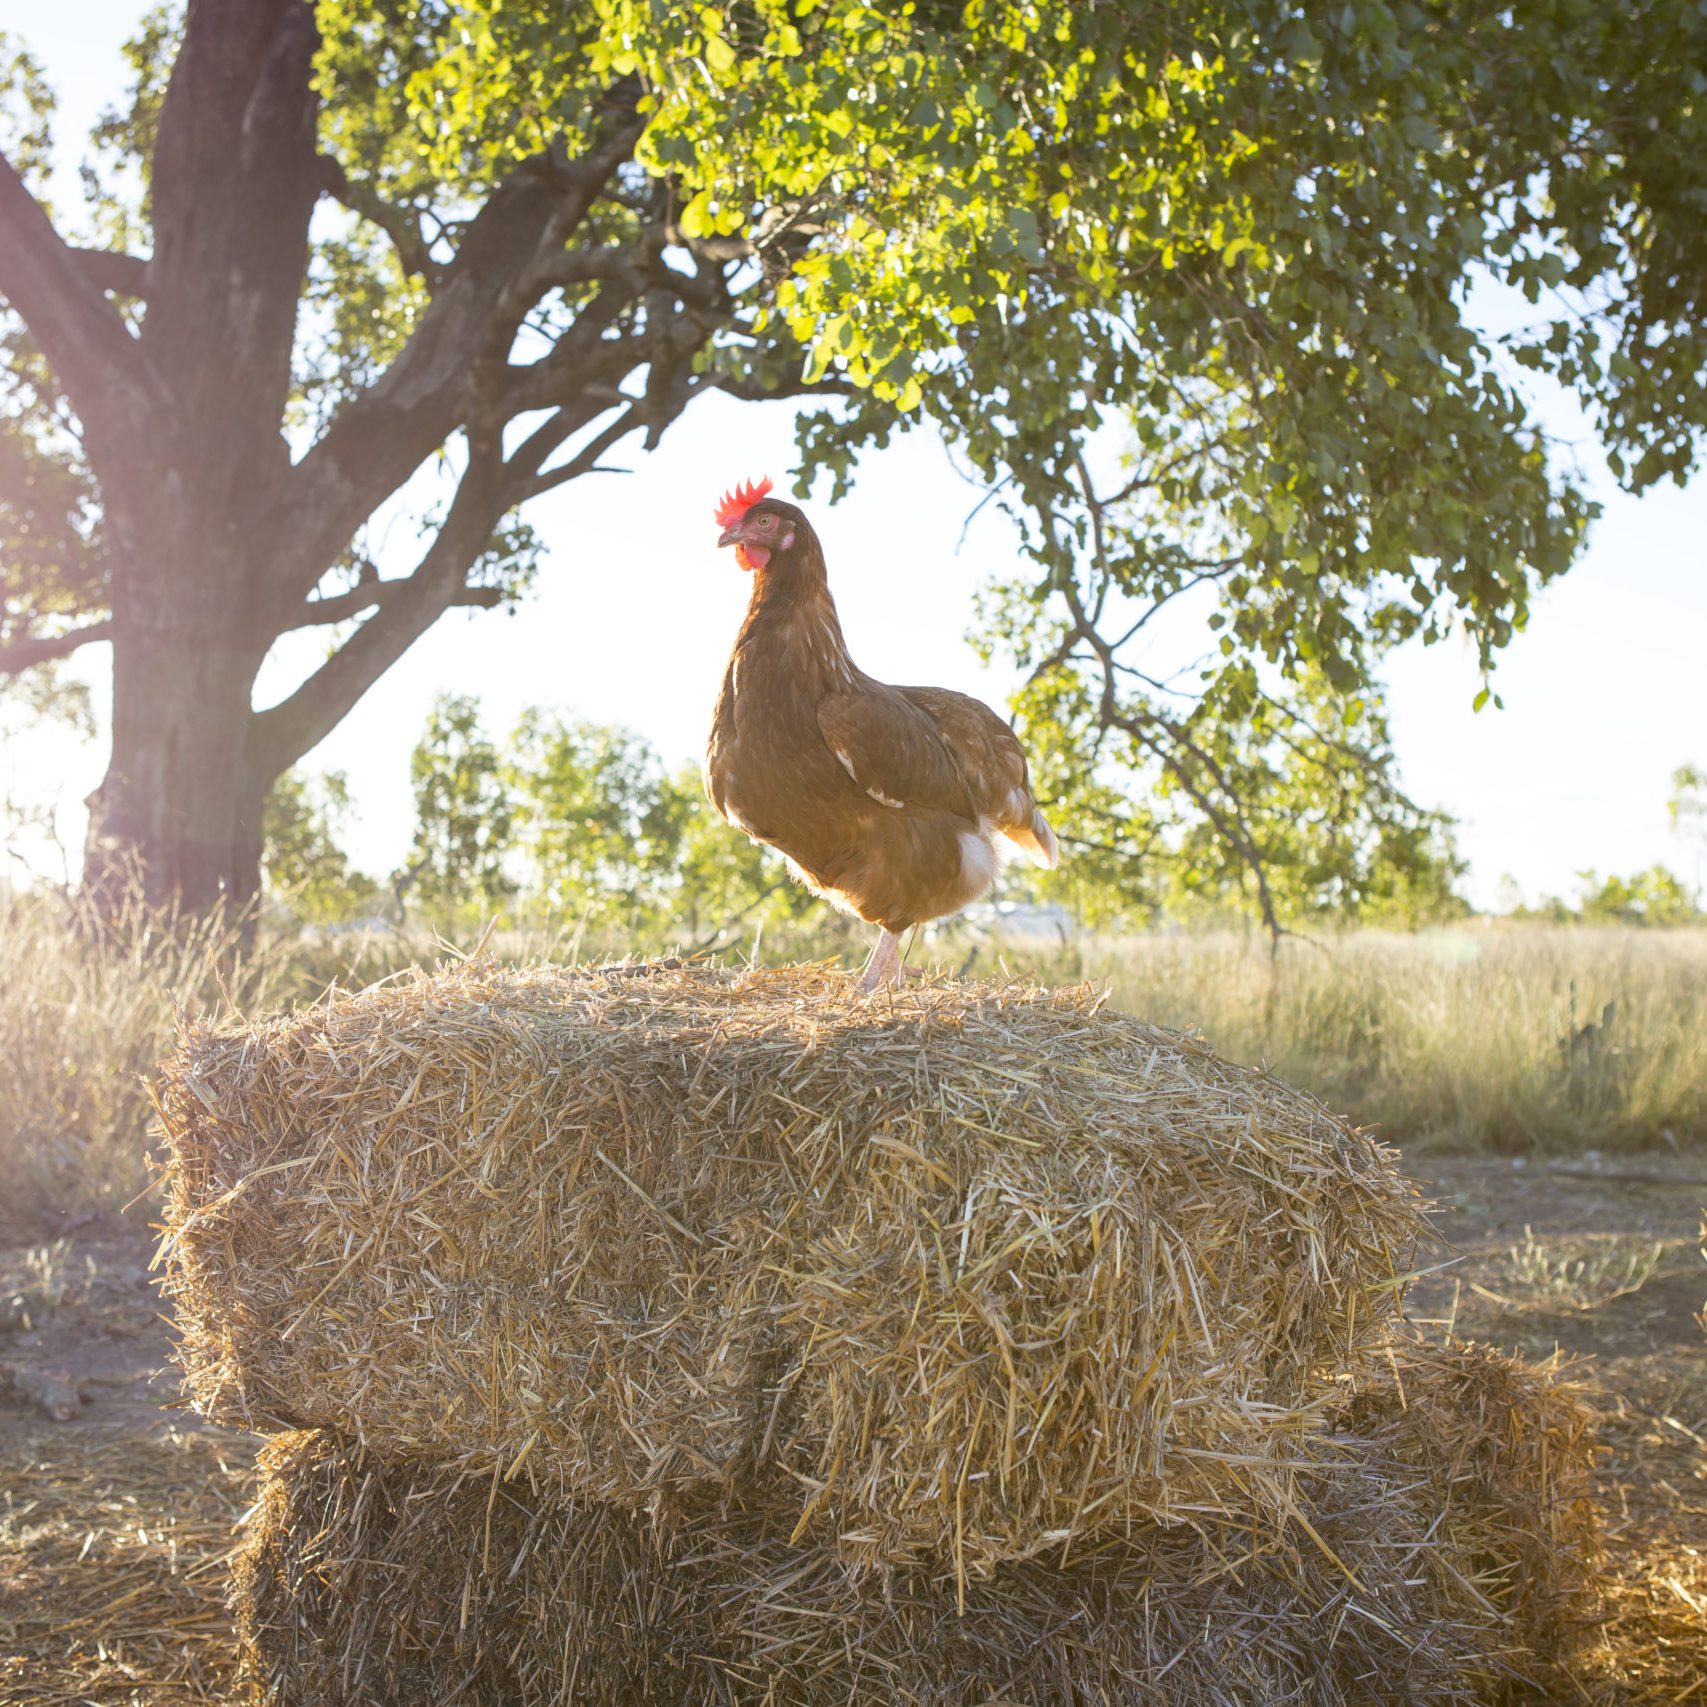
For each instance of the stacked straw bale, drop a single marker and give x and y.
(398, 1584)
(1507, 1449)
(667, 1335)
(359, 1582)
(964, 1277)
(362, 1582)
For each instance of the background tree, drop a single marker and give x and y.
(614, 843)
(1651, 897)
(1279, 424)
(247, 394)
(50, 548)
(572, 823)
(1687, 809)
(465, 816)
(726, 885)
(596, 822)
(507, 236)
(302, 863)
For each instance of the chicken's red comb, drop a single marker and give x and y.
(737, 503)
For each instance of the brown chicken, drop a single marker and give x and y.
(886, 801)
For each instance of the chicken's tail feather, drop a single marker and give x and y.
(1036, 840)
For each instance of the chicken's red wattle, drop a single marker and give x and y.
(752, 556)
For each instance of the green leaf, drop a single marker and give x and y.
(719, 55)
(697, 218)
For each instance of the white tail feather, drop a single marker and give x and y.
(1037, 841)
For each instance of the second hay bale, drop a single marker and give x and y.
(957, 1278)
(1507, 1448)
(1394, 1584)
(361, 1584)
(384, 1586)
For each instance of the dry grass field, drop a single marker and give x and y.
(1506, 1038)
(1498, 1039)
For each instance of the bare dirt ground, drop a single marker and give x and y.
(117, 1513)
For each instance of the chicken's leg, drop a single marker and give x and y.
(883, 971)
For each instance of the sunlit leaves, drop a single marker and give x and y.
(1239, 235)
(596, 818)
(936, 155)
(26, 111)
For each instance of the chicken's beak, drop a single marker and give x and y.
(731, 535)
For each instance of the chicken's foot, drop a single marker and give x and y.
(883, 971)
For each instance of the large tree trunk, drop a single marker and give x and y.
(219, 540)
(177, 818)
(235, 180)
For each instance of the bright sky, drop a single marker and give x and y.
(1605, 694)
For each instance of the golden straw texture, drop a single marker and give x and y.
(392, 1585)
(1397, 1580)
(1508, 1449)
(358, 1583)
(959, 1278)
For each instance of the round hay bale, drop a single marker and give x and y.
(957, 1278)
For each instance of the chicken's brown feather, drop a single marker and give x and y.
(991, 758)
(894, 750)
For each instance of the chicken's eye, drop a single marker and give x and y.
(767, 522)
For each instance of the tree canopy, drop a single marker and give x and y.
(1189, 290)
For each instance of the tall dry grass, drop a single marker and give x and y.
(1490, 1036)
(87, 1009)
(90, 1006)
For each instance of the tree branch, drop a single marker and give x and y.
(340, 607)
(585, 460)
(583, 366)
(663, 346)
(43, 649)
(123, 275)
(397, 223)
(85, 341)
(1229, 822)
(750, 390)
(1229, 825)
(435, 383)
(641, 271)
(556, 429)
(1379, 772)
(713, 248)
(1203, 576)
(281, 735)
(585, 362)
(636, 264)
